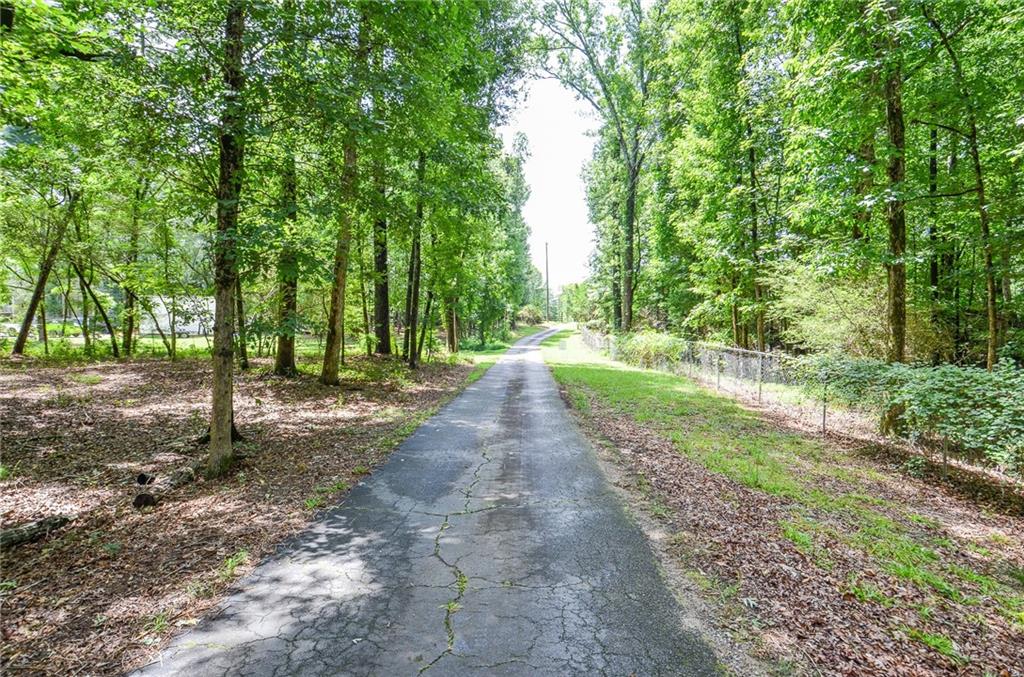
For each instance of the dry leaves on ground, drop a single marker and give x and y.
(103, 593)
(832, 606)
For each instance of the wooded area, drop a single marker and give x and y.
(248, 247)
(813, 176)
(317, 169)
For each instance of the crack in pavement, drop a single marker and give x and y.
(461, 580)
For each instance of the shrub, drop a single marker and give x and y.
(977, 412)
(56, 329)
(650, 349)
(529, 315)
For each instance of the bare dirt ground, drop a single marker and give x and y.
(104, 592)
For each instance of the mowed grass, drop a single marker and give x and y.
(829, 495)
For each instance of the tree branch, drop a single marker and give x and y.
(916, 121)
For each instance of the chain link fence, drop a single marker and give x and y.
(770, 379)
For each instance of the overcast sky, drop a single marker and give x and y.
(556, 126)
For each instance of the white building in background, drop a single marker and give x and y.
(193, 316)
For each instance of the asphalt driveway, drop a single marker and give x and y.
(488, 544)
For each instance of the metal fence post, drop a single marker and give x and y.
(824, 401)
(718, 372)
(760, 366)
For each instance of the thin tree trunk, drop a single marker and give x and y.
(128, 330)
(65, 309)
(99, 308)
(44, 273)
(335, 331)
(43, 336)
(933, 236)
(896, 212)
(243, 338)
(364, 300)
(86, 335)
(163, 337)
(414, 304)
(629, 228)
(381, 294)
(734, 313)
(128, 333)
(1010, 318)
(69, 308)
(979, 177)
(287, 264)
(752, 175)
(410, 272)
(229, 185)
(426, 323)
(451, 321)
(174, 327)
(986, 239)
(754, 242)
(288, 277)
(616, 271)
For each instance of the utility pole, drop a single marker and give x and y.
(547, 285)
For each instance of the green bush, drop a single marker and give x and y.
(56, 329)
(529, 315)
(650, 349)
(976, 412)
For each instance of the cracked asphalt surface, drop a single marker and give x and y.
(488, 544)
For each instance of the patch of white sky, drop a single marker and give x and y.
(558, 129)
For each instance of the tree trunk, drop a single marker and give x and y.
(734, 313)
(32, 531)
(755, 242)
(159, 330)
(243, 338)
(86, 335)
(128, 330)
(451, 322)
(42, 329)
(99, 309)
(1014, 223)
(629, 228)
(752, 175)
(986, 239)
(44, 273)
(130, 310)
(426, 324)
(616, 275)
(381, 295)
(335, 331)
(287, 276)
(414, 304)
(364, 300)
(174, 327)
(895, 211)
(933, 236)
(229, 184)
(979, 177)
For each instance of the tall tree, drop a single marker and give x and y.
(232, 135)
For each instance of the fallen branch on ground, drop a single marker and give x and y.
(32, 531)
